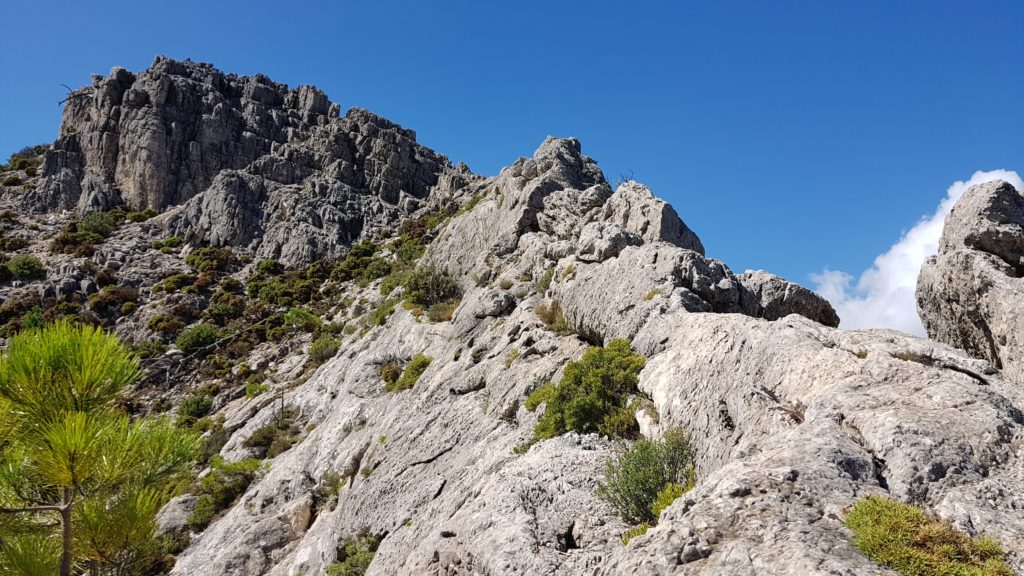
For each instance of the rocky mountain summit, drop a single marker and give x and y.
(360, 330)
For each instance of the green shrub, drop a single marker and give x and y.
(195, 406)
(323, 349)
(269, 267)
(149, 348)
(170, 242)
(13, 243)
(101, 224)
(165, 324)
(32, 319)
(26, 267)
(416, 367)
(255, 387)
(592, 395)
(113, 298)
(301, 319)
(211, 259)
(141, 216)
(355, 557)
(220, 488)
(427, 286)
(175, 282)
(12, 180)
(905, 539)
(648, 476)
(198, 337)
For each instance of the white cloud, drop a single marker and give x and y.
(883, 296)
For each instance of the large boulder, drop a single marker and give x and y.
(971, 294)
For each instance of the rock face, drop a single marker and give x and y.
(792, 420)
(970, 294)
(250, 162)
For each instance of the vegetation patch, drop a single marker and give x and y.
(219, 489)
(25, 267)
(198, 337)
(592, 396)
(552, 317)
(323, 349)
(902, 537)
(355, 555)
(416, 367)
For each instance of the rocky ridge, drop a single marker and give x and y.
(792, 419)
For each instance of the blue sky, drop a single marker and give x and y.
(792, 136)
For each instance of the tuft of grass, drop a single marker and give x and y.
(511, 356)
(902, 537)
(652, 295)
(544, 283)
(552, 317)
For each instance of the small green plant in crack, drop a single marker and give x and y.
(511, 356)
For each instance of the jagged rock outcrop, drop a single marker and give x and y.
(250, 162)
(792, 420)
(971, 294)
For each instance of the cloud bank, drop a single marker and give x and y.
(883, 296)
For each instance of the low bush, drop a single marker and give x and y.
(198, 337)
(167, 243)
(593, 394)
(112, 299)
(220, 488)
(442, 311)
(26, 267)
(301, 319)
(165, 324)
(355, 556)
(195, 406)
(646, 478)
(211, 259)
(175, 282)
(323, 349)
(416, 367)
(902, 537)
(269, 267)
(276, 437)
(427, 286)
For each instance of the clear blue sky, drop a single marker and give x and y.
(791, 135)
